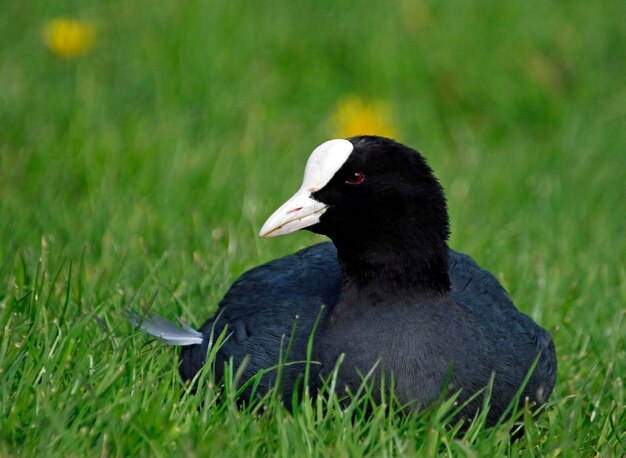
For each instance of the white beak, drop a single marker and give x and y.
(297, 213)
(302, 210)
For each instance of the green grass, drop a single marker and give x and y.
(149, 164)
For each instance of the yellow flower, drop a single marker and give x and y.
(69, 38)
(355, 116)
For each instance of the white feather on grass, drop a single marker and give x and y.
(164, 329)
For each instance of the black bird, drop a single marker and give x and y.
(394, 296)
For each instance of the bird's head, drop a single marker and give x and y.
(366, 191)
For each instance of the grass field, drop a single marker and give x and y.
(147, 164)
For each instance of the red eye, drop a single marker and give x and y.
(355, 178)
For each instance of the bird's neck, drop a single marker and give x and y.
(396, 266)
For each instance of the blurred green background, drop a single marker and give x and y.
(143, 151)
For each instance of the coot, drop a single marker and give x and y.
(389, 291)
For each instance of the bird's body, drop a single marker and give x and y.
(388, 292)
(261, 307)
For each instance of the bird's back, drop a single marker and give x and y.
(516, 341)
(267, 307)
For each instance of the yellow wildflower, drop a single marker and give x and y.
(355, 116)
(69, 38)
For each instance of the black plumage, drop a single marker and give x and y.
(394, 295)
